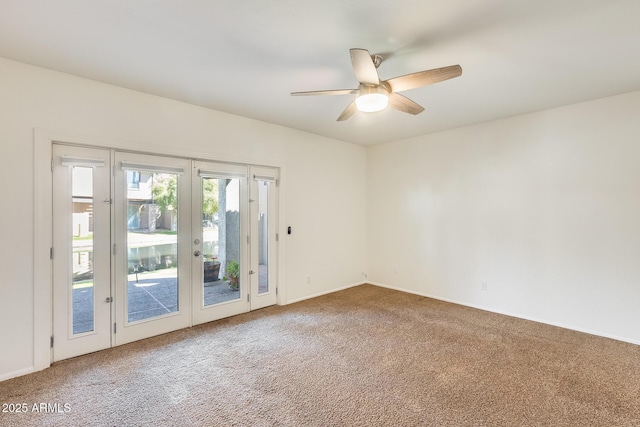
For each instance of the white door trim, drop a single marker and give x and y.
(43, 140)
(269, 175)
(69, 343)
(202, 313)
(132, 331)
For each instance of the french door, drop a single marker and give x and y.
(152, 234)
(81, 251)
(220, 246)
(148, 244)
(264, 236)
(234, 242)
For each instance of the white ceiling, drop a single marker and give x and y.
(245, 56)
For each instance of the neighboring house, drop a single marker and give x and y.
(143, 214)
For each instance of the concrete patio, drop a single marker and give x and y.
(154, 294)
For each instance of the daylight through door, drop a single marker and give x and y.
(147, 244)
(220, 241)
(81, 250)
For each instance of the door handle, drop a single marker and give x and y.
(109, 299)
(196, 253)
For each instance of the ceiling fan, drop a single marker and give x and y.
(375, 95)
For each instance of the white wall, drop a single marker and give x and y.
(544, 208)
(327, 243)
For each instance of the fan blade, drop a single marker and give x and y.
(424, 78)
(326, 92)
(404, 104)
(348, 112)
(363, 67)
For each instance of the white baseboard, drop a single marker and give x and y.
(18, 373)
(510, 314)
(325, 292)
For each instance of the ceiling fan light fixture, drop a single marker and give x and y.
(372, 99)
(374, 94)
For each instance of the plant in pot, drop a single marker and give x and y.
(211, 268)
(233, 275)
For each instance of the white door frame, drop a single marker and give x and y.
(42, 227)
(270, 177)
(126, 331)
(202, 313)
(70, 343)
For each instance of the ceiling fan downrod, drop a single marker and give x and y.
(377, 60)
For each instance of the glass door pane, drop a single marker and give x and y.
(152, 231)
(152, 244)
(263, 236)
(82, 254)
(82, 250)
(220, 239)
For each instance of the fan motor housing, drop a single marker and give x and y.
(370, 90)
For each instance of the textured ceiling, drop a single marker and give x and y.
(245, 57)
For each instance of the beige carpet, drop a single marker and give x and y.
(366, 356)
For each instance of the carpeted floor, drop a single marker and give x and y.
(366, 356)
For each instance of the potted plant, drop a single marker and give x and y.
(211, 268)
(233, 275)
